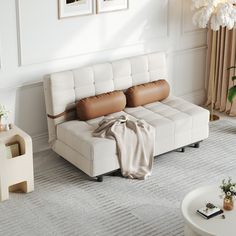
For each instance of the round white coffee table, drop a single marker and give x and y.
(195, 225)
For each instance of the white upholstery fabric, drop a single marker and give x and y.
(63, 89)
(178, 123)
(157, 66)
(122, 74)
(78, 135)
(103, 78)
(83, 81)
(98, 166)
(69, 86)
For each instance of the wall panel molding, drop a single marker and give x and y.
(137, 44)
(39, 83)
(168, 19)
(22, 85)
(18, 29)
(0, 53)
(189, 69)
(188, 50)
(25, 63)
(198, 97)
(193, 30)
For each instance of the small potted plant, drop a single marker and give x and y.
(229, 190)
(3, 114)
(232, 90)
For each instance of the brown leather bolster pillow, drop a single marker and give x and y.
(147, 93)
(101, 105)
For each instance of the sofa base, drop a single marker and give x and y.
(92, 168)
(100, 178)
(85, 165)
(195, 145)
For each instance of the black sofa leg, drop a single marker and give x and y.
(180, 149)
(196, 145)
(100, 178)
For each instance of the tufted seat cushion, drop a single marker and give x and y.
(176, 121)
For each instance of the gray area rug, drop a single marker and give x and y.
(67, 202)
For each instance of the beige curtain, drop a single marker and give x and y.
(221, 54)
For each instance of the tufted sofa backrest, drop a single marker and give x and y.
(63, 89)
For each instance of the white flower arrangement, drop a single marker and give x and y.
(228, 188)
(232, 189)
(3, 112)
(214, 12)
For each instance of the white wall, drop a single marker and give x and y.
(33, 42)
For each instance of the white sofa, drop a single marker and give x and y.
(178, 123)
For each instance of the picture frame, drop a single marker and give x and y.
(72, 8)
(103, 6)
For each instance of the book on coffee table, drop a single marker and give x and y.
(209, 212)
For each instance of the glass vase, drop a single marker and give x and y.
(228, 203)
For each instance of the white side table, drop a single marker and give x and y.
(195, 225)
(16, 173)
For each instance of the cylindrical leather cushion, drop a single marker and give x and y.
(147, 93)
(101, 105)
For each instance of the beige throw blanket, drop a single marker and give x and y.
(135, 144)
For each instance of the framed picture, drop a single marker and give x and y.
(111, 5)
(69, 8)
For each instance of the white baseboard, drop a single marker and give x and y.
(40, 142)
